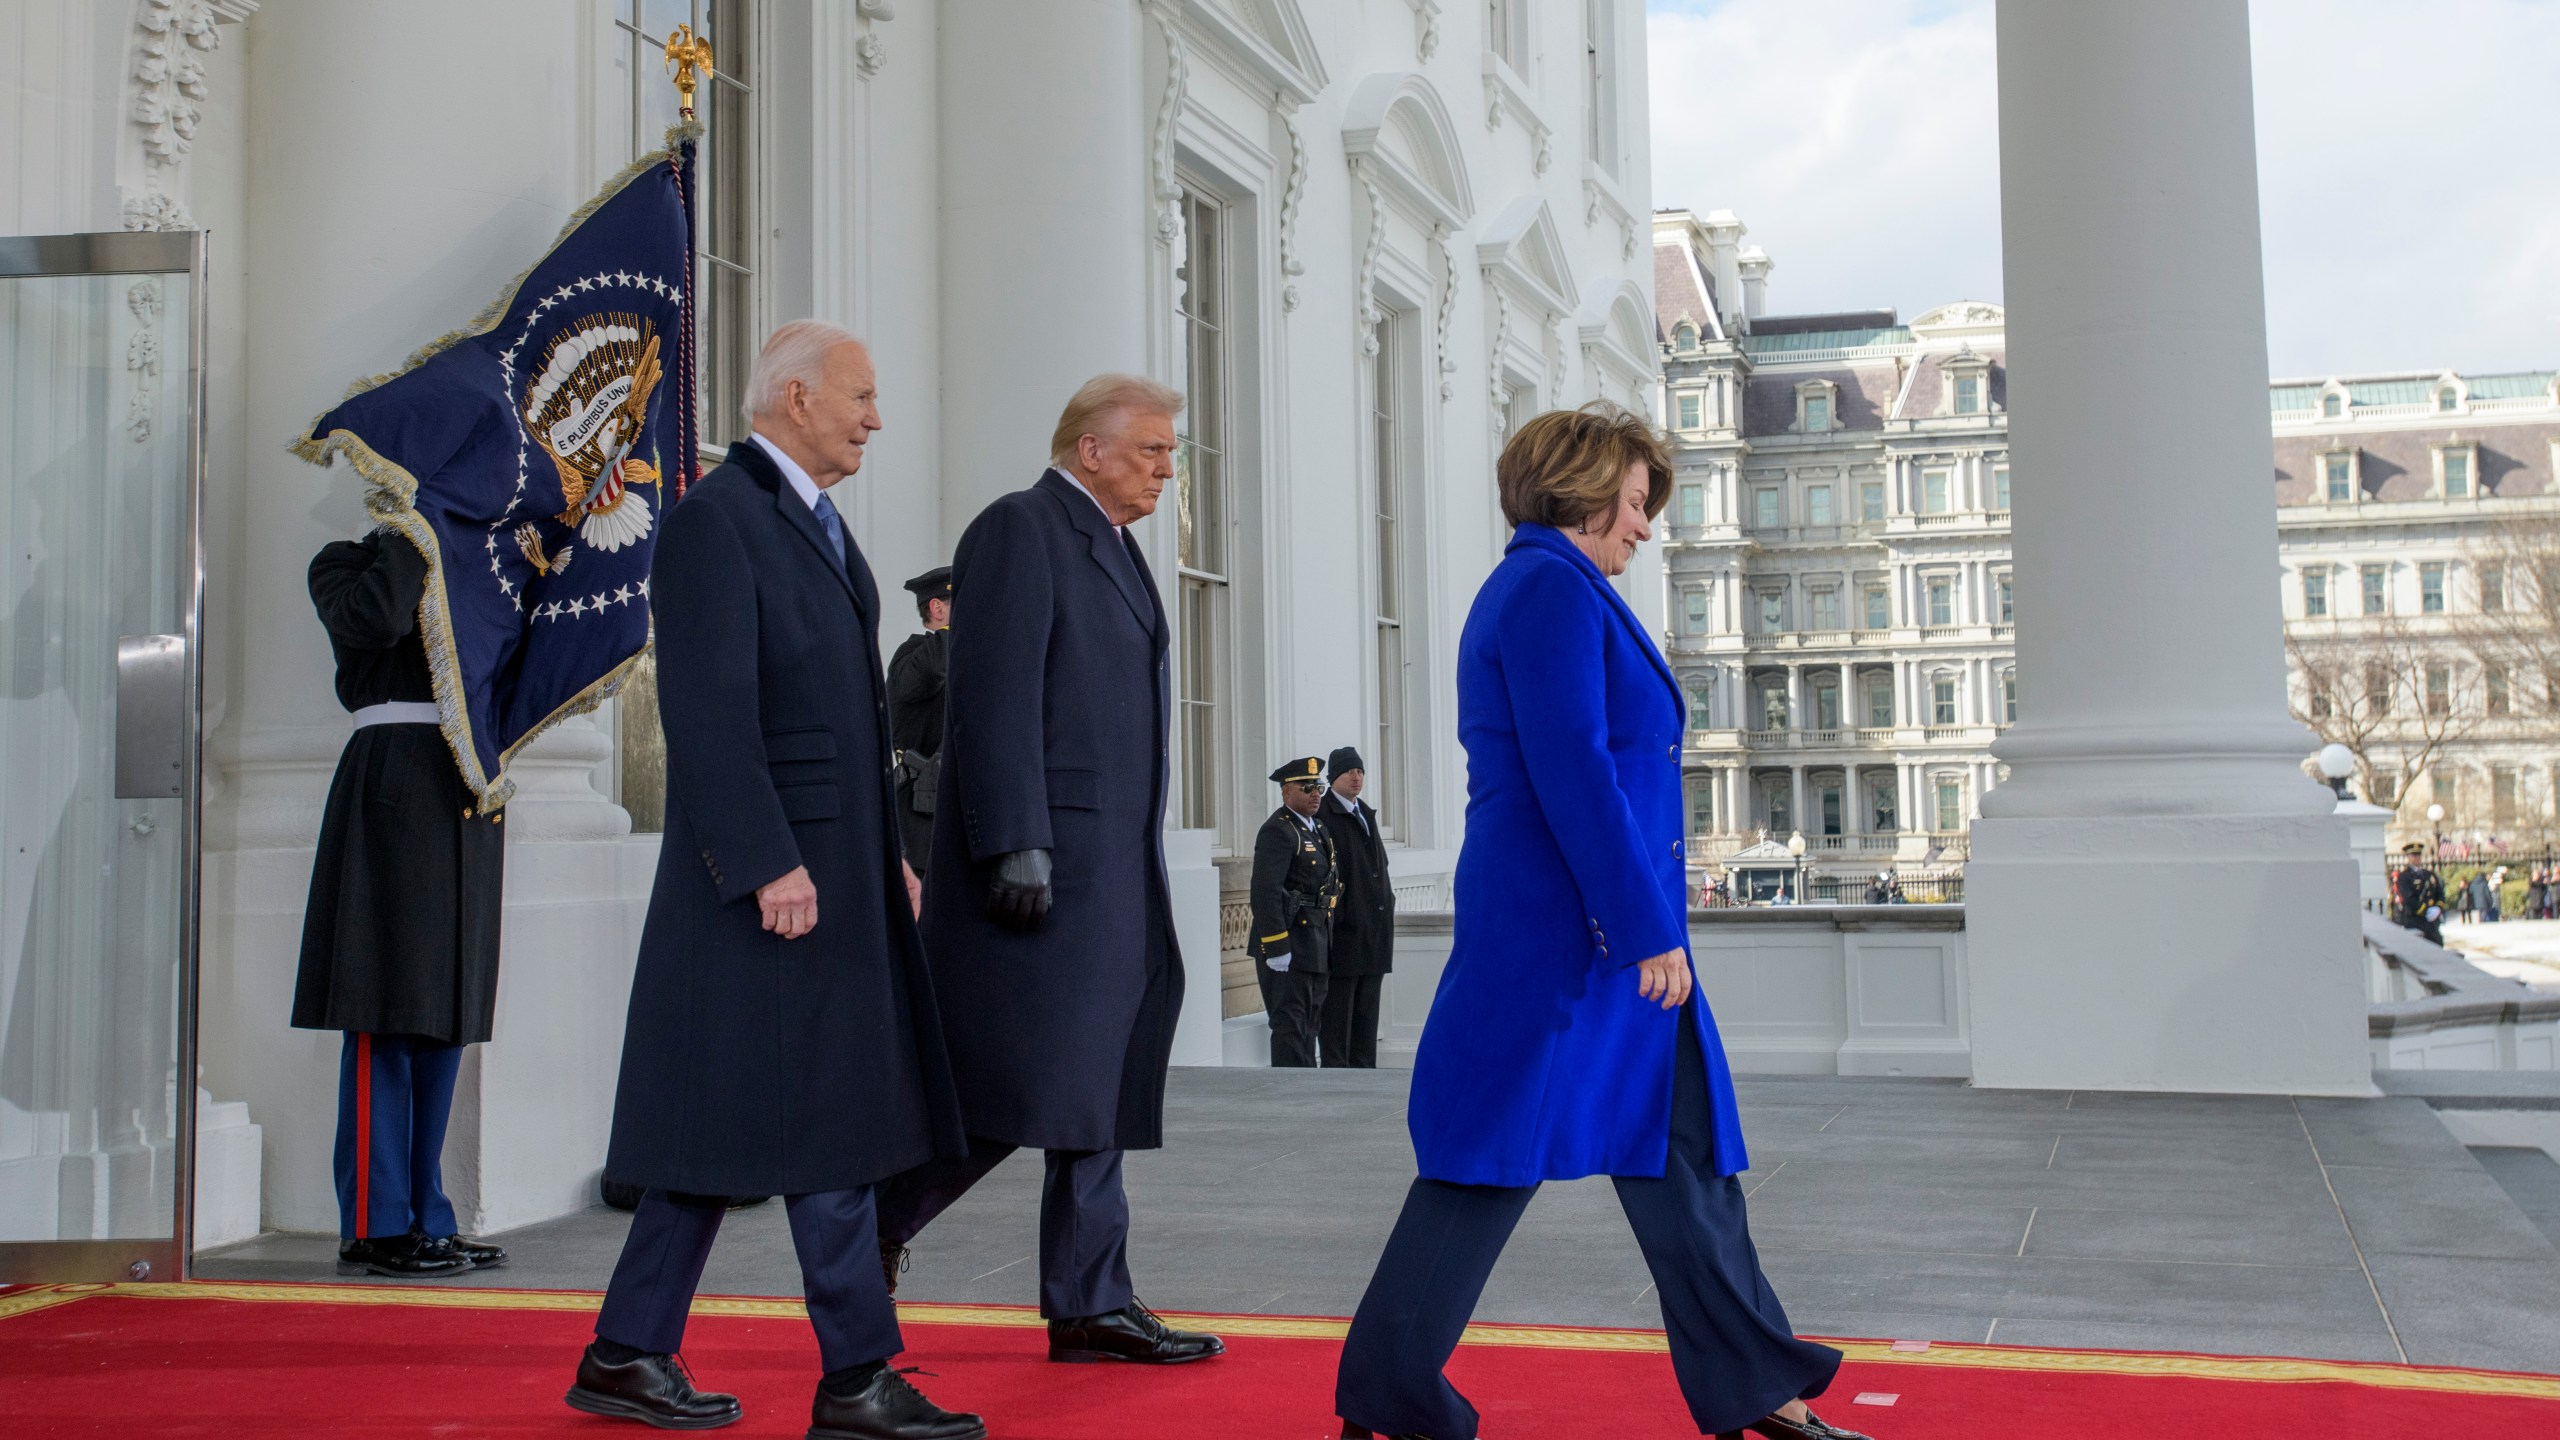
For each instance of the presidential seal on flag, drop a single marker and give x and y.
(529, 455)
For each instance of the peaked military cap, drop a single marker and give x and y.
(1341, 762)
(2413, 848)
(1308, 768)
(934, 584)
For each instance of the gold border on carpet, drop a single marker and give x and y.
(2259, 1370)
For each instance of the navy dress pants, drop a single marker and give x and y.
(395, 1097)
(839, 1247)
(1731, 1348)
(1084, 1220)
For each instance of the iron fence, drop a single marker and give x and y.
(2523, 883)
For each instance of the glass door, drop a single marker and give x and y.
(99, 594)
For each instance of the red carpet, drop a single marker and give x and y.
(331, 1360)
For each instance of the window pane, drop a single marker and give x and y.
(1999, 487)
(2493, 588)
(1772, 611)
(1950, 805)
(1694, 607)
(1968, 394)
(2341, 485)
(1942, 602)
(1933, 492)
(2457, 473)
(2448, 400)
(1688, 412)
(1700, 713)
(1693, 505)
(1831, 807)
(1942, 702)
(1817, 505)
(2431, 588)
(1880, 707)
(1766, 512)
(1871, 501)
(1879, 608)
(1826, 707)
(2373, 578)
(2329, 407)
(1817, 412)
(1702, 805)
(1826, 609)
(2315, 593)
(2009, 698)
(2008, 606)
(2495, 683)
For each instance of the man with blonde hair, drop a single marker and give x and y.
(1049, 921)
(782, 1037)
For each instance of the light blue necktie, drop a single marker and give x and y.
(833, 524)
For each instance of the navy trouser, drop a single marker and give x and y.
(1084, 1220)
(1731, 1348)
(835, 1234)
(395, 1095)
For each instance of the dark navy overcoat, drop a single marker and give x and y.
(1054, 723)
(751, 1064)
(1540, 1061)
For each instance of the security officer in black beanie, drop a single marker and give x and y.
(1364, 924)
(916, 675)
(1295, 887)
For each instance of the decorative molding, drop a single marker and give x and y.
(1600, 196)
(1292, 205)
(142, 356)
(1264, 44)
(1369, 314)
(1177, 80)
(1506, 93)
(1448, 307)
(168, 90)
(871, 51)
(1398, 124)
(1426, 29)
(1497, 393)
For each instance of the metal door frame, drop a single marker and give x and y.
(149, 252)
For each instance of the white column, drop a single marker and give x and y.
(1795, 792)
(1795, 697)
(1848, 695)
(2143, 770)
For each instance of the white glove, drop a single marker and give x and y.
(1279, 963)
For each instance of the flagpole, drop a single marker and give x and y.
(688, 60)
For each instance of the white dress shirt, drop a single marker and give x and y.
(1063, 473)
(801, 484)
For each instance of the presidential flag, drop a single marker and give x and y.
(529, 457)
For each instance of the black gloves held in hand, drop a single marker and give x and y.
(1019, 895)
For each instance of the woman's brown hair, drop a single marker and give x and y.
(1565, 466)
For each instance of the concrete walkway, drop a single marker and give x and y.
(1910, 1209)
(2523, 950)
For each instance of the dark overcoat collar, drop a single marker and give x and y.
(749, 456)
(1135, 585)
(1554, 541)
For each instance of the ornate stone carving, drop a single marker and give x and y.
(1177, 76)
(142, 357)
(1292, 204)
(167, 79)
(1448, 308)
(1497, 392)
(871, 51)
(1426, 29)
(1368, 279)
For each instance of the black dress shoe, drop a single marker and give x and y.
(1131, 1333)
(1777, 1427)
(893, 1263)
(654, 1390)
(481, 1256)
(402, 1257)
(888, 1408)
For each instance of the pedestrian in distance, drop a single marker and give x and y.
(2417, 894)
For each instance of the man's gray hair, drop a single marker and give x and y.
(1102, 397)
(797, 351)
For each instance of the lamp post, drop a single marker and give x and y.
(1795, 850)
(2337, 762)
(2435, 823)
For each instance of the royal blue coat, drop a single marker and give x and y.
(1540, 1060)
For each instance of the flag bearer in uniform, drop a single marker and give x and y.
(400, 939)
(1295, 886)
(916, 675)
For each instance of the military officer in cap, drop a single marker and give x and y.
(1295, 887)
(2418, 895)
(916, 676)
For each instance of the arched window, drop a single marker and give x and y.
(2448, 399)
(2331, 406)
(1684, 336)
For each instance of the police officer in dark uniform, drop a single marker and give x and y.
(400, 938)
(1295, 887)
(2418, 895)
(916, 675)
(1364, 924)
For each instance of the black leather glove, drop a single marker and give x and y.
(1019, 895)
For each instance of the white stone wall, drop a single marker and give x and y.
(981, 188)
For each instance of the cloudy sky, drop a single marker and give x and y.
(2409, 164)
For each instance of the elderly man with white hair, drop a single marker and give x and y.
(782, 1038)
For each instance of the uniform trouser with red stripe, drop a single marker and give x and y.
(395, 1093)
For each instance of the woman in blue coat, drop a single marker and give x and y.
(1564, 1040)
